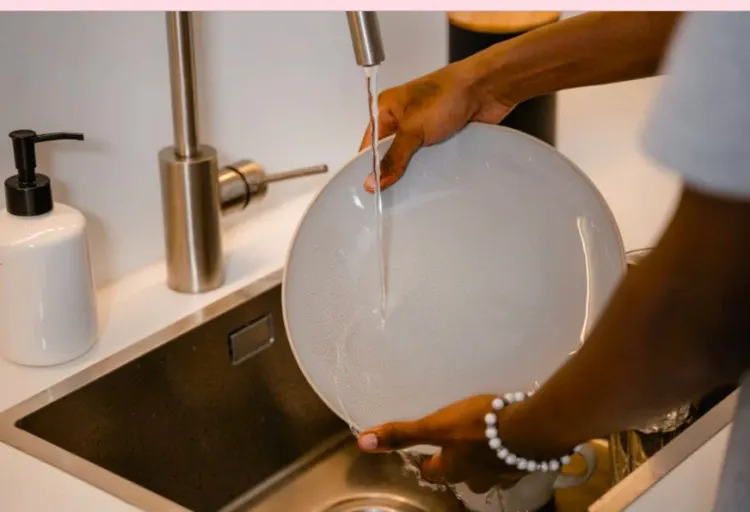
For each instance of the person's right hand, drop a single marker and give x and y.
(428, 110)
(459, 431)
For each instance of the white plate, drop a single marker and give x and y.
(500, 253)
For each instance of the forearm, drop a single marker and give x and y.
(589, 49)
(676, 328)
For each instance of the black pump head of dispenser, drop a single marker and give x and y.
(29, 194)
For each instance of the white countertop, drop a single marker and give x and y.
(691, 486)
(141, 304)
(130, 310)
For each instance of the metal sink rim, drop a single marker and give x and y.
(82, 469)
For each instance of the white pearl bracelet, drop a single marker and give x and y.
(511, 459)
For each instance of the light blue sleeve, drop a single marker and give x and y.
(700, 123)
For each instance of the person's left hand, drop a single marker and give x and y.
(459, 430)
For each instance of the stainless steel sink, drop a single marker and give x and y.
(346, 481)
(212, 414)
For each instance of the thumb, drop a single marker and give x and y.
(386, 127)
(393, 165)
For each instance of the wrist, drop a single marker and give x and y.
(499, 78)
(528, 436)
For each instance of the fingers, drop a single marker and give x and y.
(367, 139)
(397, 436)
(434, 469)
(442, 468)
(394, 163)
(452, 465)
(461, 421)
(386, 128)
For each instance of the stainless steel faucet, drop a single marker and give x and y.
(366, 40)
(195, 191)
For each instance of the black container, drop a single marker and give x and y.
(536, 116)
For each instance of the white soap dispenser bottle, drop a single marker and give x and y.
(47, 297)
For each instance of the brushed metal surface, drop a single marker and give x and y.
(246, 180)
(185, 423)
(189, 176)
(249, 340)
(234, 191)
(366, 41)
(195, 193)
(347, 480)
(182, 83)
(192, 220)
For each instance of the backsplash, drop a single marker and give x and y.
(280, 88)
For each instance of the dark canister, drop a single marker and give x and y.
(470, 32)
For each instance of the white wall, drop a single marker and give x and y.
(281, 88)
(599, 128)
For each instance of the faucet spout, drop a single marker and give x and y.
(183, 83)
(196, 192)
(189, 177)
(366, 40)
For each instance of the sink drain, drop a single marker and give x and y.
(374, 504)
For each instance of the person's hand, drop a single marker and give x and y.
(459, 430)
(428, 110)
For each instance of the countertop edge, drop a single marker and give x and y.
(627, 493)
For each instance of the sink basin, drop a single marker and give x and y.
(348, 481)
(212, 414)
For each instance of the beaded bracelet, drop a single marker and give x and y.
(511, 459)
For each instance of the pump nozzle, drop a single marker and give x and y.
(29, 193)
(25, 152)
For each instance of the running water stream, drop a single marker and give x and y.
(343, 373)
(371, 74)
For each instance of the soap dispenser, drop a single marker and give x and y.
(47, 297)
